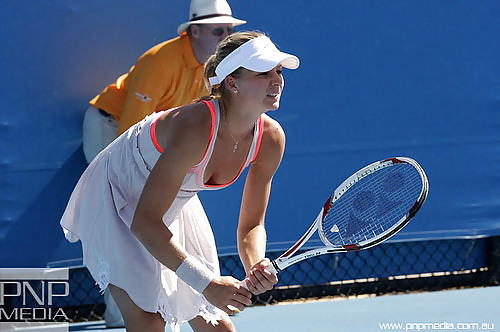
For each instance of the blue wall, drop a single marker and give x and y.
(377, 79)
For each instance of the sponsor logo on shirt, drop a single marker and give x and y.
(142, 97)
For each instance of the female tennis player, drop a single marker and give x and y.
(143, 230)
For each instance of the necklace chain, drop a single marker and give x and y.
(236, 141)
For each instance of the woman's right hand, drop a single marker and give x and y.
(224, 291)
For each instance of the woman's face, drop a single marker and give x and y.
(261, 89)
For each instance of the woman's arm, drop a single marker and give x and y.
(251, 229)
(184, 138)
(165, 180)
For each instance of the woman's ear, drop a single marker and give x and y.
(230, 83)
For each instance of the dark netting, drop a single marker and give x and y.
(85, 301)
(385, 269)
(388, 268)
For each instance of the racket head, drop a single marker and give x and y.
(373, 204)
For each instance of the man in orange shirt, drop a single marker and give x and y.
(168, 75)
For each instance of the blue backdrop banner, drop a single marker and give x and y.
(377, 79)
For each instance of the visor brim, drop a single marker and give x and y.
(266, 62)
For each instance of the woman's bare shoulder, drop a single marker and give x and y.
(273, 131)
(187, 126)
(192, 116)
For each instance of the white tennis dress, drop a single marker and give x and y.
(100, 212)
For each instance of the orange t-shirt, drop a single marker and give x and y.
(166, 76)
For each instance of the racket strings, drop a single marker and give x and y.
(373, 205)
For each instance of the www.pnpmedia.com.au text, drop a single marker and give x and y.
(447, 326)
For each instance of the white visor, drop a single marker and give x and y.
(258, 54)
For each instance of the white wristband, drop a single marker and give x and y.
(195, 274)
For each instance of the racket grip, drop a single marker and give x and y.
(243, 283)
(269, 268)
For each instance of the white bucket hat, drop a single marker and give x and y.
(209, 12)
(258, 54)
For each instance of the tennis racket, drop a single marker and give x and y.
(368, 208)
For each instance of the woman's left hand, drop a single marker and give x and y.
(259, 280)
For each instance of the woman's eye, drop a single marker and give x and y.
(267, 73)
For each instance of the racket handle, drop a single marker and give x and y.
(243, 283)
(269, 268)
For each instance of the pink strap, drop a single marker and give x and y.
(259, 140)
(212, 128)
(153, 136)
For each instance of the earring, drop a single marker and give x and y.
(235, 91)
